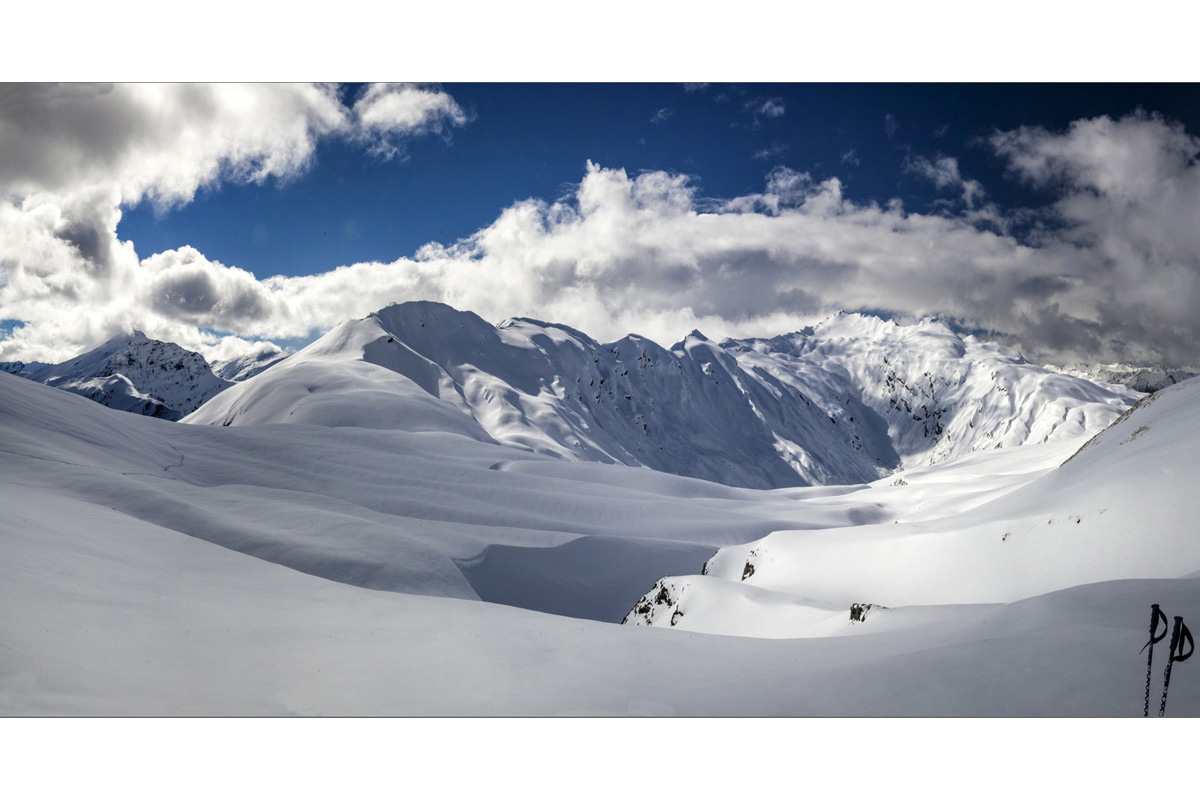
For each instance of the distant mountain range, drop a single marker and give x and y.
(847, 401)
(21, 368)
(1140, 379)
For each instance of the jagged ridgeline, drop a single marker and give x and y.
(847, 401)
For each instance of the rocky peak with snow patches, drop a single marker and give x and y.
(138, 374)
(847, 401)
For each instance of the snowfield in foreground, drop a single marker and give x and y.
(156, 568)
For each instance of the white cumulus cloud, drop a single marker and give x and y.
(160, 141)
(389, 113)
(944, 173)
(1129, 201)
(764, 108)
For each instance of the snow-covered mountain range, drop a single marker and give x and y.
(847, 401)
(1138, 378)
(137, 374)
(21, 368)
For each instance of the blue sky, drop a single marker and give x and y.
(1061, 219)
(533, 140)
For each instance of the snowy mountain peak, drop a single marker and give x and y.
(400, 317)
(692, 340)
(134, 373)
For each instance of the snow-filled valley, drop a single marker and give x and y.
(425, 514)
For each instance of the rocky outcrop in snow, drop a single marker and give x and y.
(659, 606)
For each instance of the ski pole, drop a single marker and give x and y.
(1156, 614)
(1178, 635)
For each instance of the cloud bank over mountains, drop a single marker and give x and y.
(1108, 269)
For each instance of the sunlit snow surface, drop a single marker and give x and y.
(265, 569)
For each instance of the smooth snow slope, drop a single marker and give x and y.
(153, 568)
(120, 617)
(848, 402)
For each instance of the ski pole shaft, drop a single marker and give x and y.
(1156, 614)
(1179, 635)
(1162, 707)
(1149, 666)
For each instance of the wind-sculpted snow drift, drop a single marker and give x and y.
(849, 401)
